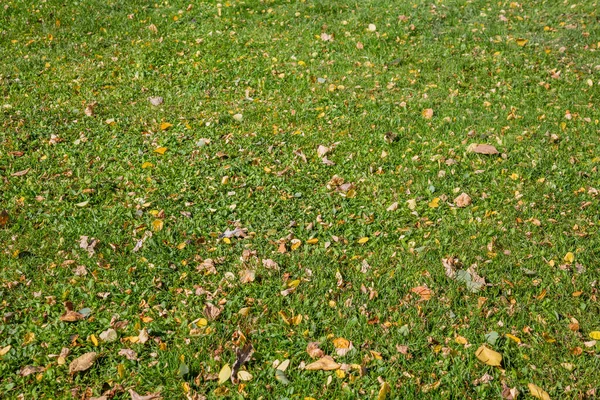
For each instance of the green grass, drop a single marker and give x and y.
(531, 205)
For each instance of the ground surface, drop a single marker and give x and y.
(126, 212)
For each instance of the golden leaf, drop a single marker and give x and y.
(521, 42)
(29, 337)
(312, 241)
(157, 225)
(595, 335)
(427, 113)
(569, 258)
(341, 343)
(326, 363)
(160, 150)
(434, 203)
(538, 392)
(5, 350)
(488, 356)
(224, 374)
(296, 243)
(165, 125)
(384, 391)
(363, 240)
(147, 165)
(422, 291)
(513, 337)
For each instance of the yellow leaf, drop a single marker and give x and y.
(296, 243)
(121, 370)
(569, 257)
(412, 204)
(595, 335)
(226, 241)
(312, 241)
(157, 225)
(513, 337)
(5, 350)
(147, 319)
(181, 246)
(326, 363)
(294, 283)
(461, 340)
(160, 150)
(165, 125)
(488, 356)
(522, 42)
(538, 392)
(435, 203)
(147, 165)
(384, 391)
(341, 343)
(340, 374)
(29, 337)
(225, 374)
(94, 340)
(363, 240)
(296, 320)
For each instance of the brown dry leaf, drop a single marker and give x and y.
(211, 311)
(393, 207)
(129, 354)
(30, 369)
(488, 356)
(153, 28)
(314, 351)
(427, 113)
(156, 100)
(143, 336)
(450, 265)
(21, 173)
(462, 200)
(89, 109)
(538, 392)
(71, 316)
(270, 264)
(247, 276)
(82, 363)
(483, 149)
(422, 291)
(322, 150)
(242, 356)
(509, 393)
(4, 218)
(149, 396)
(326, 363)
(402, 349)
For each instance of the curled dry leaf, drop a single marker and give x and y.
(82, 363)
(242, 356)
(71, 316)
(342, 346)
(270, 264)
(314, 351)
(393, 207)
(427, 113)
(384, 390)
(109, 335)
(152, 28)
(156, 100)
(509, 393)
(143, 336)
(488, 356)
(211, 311)
(322, 150)
(4, 217)
(326, 363)
(424, 292)
(89, 109)
(21, 173)
(487, 149)
(450, 265)
(128, 354)
(30, 369)
(247, 276)
(463, 200)
(538, 392)
(149, 396)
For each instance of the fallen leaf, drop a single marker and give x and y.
(326, 37)
(314, 351)
(211, 311)
(296, 243)
(281, 377)
(363, 240)
(224, 374)
(157, 225)
(143, 336)
(509, 393)
(242, 356)
(393, 207)
(411, 204)
(129, 354)
(569, 258)
(595, 335)
(422, 291)
(5, 350)
(247, 276)
(244, 376)
(284, 365)
(326, 363)
(322, 150)
(149, 396)
(513, 338)
(384, 390)
(82, 363)
(156, 101)
(435, 203)
(521, 42)
(238, 117)
(270, 264)
(160, 150)
(450, 265)
(165, 125)
(21, 173)
(152, 28)
(463, 200)
(427, 113)
(30, 369)
(483, 149)
(488, 356)
(538, 392)
(4, 218)
(71, 316)
(89, 109)
(372, 28)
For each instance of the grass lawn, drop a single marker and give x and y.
(181, 181)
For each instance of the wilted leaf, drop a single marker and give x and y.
(492, 337)
(165, 125)
(384, 390)
(296, 243)
(488, 356)
(314, 351)
(427, 113)
(513, 338)
(322, 150)
(89, 109)
(509, 393)
(82, 363)
(129, 354)
(244, 376)
(281, 377)
(152, 28)
(284, 365)
(242, 356)
(450, 265)
(21, 173)
(435, 203)
(270, 264)
(224, 374)
(4, 218)
(211, 311)
(393, 207)
(183, 370)
(156, 101)
(238, 117)
(247, 276)
(30, 369)
(463, 200)
(538, 392)
(483, 149)
(412, 204)
(326, 363)
(143, 336)
(149, 396)
(422, 291)
(71, 316)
